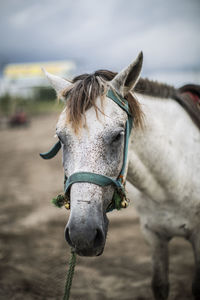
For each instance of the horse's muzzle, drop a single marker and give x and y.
(87, 241)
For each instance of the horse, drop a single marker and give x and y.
(163, 162)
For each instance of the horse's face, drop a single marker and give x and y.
(97, 149)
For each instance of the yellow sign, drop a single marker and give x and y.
(24, 70)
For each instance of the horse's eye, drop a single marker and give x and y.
(118, 137)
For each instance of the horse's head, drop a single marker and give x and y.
(91, 130)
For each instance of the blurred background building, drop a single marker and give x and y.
(21, 79)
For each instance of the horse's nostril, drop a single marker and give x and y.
(99, 238)
(67, 237)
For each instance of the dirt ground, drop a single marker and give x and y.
(33, 252)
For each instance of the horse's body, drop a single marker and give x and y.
(164, 165)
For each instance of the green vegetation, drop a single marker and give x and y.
(43, 101)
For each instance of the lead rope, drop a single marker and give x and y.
(70, 274)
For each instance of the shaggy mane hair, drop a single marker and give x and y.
(85, 88)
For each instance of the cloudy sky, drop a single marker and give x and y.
(103, 33)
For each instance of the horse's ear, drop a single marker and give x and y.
(59, 84)
(125, 80)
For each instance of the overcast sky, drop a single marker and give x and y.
(102, 34)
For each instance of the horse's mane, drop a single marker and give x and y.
(85, 89)
(155, 89)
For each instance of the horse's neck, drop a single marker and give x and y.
(164, 156)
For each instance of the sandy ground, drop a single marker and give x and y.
(33, 252)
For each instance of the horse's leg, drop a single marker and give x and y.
(159, 245)
(195, 240)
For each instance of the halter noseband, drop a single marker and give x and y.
(119, 197)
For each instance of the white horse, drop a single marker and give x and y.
(163, 163)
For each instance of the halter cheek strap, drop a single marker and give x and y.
(99, 179)
(52, 152)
